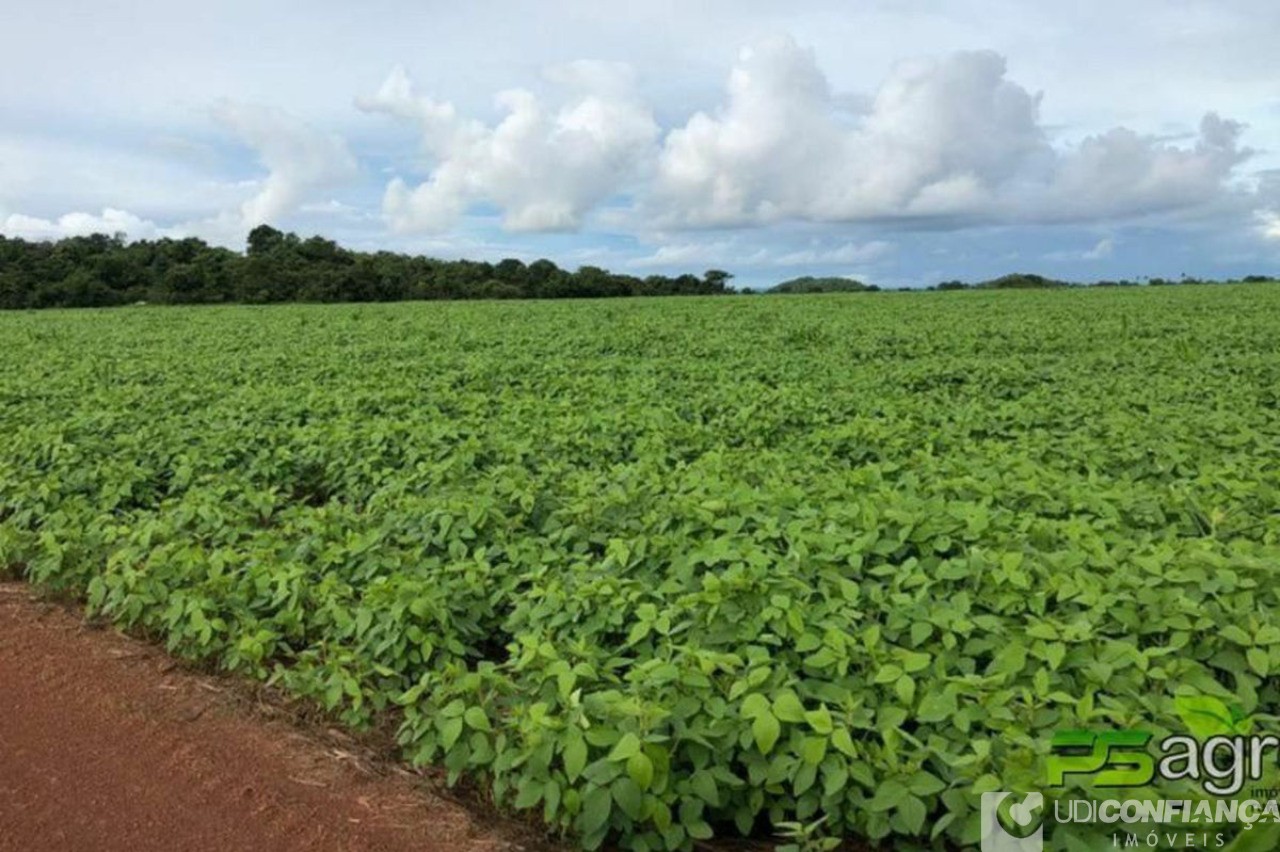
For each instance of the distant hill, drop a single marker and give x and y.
(1021, 281)
(809, 284)
(1012, 281)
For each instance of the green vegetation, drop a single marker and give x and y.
(104, 271)
(1012, 281)
(1031, 281)
(809, 284)
(100, 271)
(663, 569)
(1021, 281)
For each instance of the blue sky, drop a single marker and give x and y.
(901, 143)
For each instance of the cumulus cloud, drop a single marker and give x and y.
(845, 253)
(300, 161)
(109, 221)
(946, 142)
(950, 139)
(299, 158)
(1267, 216)
(945, 137)
(543, 166)
(1269, 224)
(740, 251)
(702, 253)
(936, 138)
(1121, 173)
(227, 228)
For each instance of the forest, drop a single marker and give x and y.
(101, 270)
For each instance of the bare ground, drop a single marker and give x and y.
(107, 744)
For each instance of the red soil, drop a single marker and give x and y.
(105, 744)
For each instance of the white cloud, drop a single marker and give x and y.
(949, 137)
(299, 158)
(701, 253)
(1102, 249)
(937, 135)
(913, 153)
(846, 253)
(48, 173)
(227, 228)
(1120, 172)
(1269, 224)
(741, 252)
(1267, 216)
(544, 167)
(109, 221)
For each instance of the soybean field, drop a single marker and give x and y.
(662, 571)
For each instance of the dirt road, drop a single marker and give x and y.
(105, 744)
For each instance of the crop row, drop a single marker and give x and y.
(672, 570)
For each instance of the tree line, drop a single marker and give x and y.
(1029, 281)
(102, 270)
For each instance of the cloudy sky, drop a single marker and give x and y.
(898, 142)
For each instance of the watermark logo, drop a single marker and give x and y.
(1012, 825)
(1211, 767)
(1114, 758)
(1222, 764)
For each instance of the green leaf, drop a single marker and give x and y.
(920, 631)
(890, 795)
(813, 750)
(754, 705)
(1235, 633)
(937, 706)
(699, 830)
(596, 806)
(913, 813)
(551, 795)
(640, 768)
(450, 730)
(1268, 634)
(575, 757)
(1259, 661)
(1204, 715)
(626, 747)
(843, 742)
(703, 784)
(477, 720)
(914, 661)
(905, 689)
(1042, 630)
(1010, 660)
(1040, 680)
(888, 673)
(530, 794)
(820, 720)
(787, 707)
(925, 783)
(766, 731)
(629, 797)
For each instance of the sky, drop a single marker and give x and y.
(900, 143)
